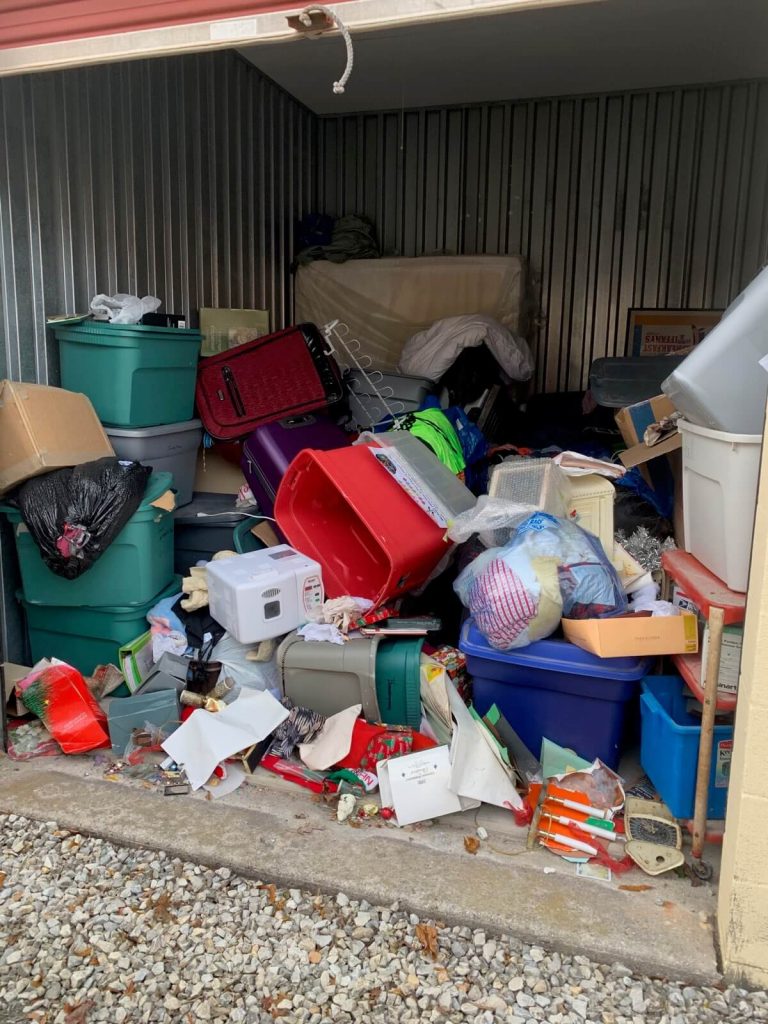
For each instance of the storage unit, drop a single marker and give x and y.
(136, 565)
(203, 527)
(345, 510)
(720, 476)
(555, 690)
(375, 396)
(170, 448)
(87, 637)
(135, 376)
(669, 748)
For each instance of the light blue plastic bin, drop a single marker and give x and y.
(669, 748)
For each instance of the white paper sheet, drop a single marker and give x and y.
(417, 786)
(235, 778)
(333, 742)
(206, 738)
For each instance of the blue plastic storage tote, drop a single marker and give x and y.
(553, 689)
(669, 748)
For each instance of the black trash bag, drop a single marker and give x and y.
(74, 514)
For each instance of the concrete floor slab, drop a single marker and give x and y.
(275, 831)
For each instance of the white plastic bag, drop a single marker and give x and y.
(549, 569)
(486, 517)
(237, 666)
(123, 309)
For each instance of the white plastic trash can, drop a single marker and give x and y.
(720, 475)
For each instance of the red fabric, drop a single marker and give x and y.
(374, 743)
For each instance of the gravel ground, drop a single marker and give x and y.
(92, 932)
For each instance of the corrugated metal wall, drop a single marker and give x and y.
(654, 198)
(180, 178)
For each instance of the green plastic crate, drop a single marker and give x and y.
(135, 567)
(398, 681)
(135, 376)
(87, 637)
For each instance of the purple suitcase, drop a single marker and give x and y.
(269, 450)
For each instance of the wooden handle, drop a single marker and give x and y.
(712, 674)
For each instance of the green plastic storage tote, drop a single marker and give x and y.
(87, 637)
(136, 376)
(135, 567)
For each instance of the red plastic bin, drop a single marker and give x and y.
(344, 510)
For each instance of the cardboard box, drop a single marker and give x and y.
(730, 658)
(730, 648)
(634, 420)
(12, 674)
(634, 635)
(44, 428)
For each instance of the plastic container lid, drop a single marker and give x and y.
(94, 331)
(398, 681)
(554, 655)
(159, 431)
(218, 508)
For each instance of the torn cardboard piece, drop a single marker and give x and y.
(11, 675)
(642, 453)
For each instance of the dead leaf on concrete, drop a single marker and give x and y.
(427, 936)
(635, 888)
(471, 844)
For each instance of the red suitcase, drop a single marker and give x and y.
(283, 374)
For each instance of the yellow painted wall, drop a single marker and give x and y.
(743, 896)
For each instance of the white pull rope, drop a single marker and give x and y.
(306, 20)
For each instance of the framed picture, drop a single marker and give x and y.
(660, 332)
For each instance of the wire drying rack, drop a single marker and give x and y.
(369, 382)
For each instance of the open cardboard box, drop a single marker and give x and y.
(632, 422)
(44, 428)
(635, 634)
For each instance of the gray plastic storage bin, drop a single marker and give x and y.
(616, 381)
(330, 677)
(198, 539)
(401, 394)
(171, 448)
